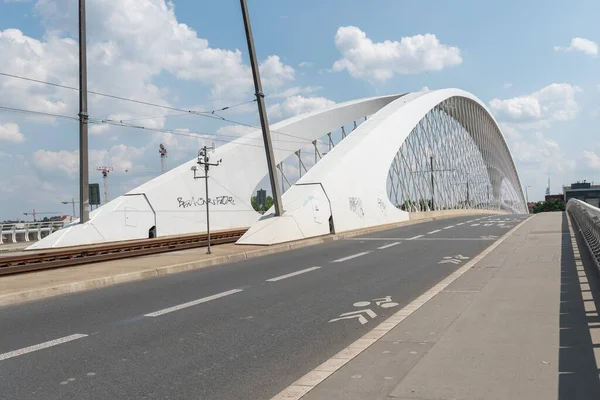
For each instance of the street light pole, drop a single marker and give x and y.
(527, 195)
(203, 159)
(84, 200)
(262, 111)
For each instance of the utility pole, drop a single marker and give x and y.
(468, 203)
(203, 159)
(432, 185)
(84, 195)
(262, 111)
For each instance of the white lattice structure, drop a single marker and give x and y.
(378, 172)
(384, 168)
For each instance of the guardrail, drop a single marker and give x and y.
(27, 231)
(588, 220)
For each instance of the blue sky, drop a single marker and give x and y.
(535, 64)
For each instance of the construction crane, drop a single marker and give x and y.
(71, 202)
(34, 213)
(162, 150)
(105, 170)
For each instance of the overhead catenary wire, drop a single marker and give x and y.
(197, 135)
(207, 114)
(112, 96)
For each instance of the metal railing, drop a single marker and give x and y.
(27, 231)
(587, 218)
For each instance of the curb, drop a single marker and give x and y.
(99, 283)
(312, 379)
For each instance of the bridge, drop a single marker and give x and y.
(405, 266)
(417, 152)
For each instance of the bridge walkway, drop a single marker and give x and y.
(522, 323)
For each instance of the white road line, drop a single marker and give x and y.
(387, 246)
(415, 237)
(468, 222)
(432, 232)
(448, 227)
(474, 224)
(292, 274)
(41, 346)
(313, 378)
(192, 303)
(462, 223)
(351, 257)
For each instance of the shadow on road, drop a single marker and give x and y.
(578, 373)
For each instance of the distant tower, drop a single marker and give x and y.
(105, 171)
(163, 158)
(548, 188)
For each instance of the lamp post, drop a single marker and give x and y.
(203, 159)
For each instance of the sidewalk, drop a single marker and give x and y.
(522, 323)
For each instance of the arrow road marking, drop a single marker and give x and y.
(449, 261)
(356, 314)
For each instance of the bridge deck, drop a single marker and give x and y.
(503, 330)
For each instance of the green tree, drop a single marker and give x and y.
(549, 206)
(254, 203)
(268, 203)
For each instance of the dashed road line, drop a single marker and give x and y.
(351, 257)
(462, 223)
(415, 237)
(303, 271)
(474, 224)
(448, 227)
(193, 303)
(313, 378)
(388, 246)
(41, 346)
(432, 232)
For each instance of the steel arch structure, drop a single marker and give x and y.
(376, 175)
(351, 187)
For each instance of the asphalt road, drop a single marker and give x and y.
(242, 330)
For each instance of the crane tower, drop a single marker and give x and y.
(105, 170)
(163, 158)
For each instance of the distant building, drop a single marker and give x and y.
(583, 191)
(555, 196)
(530, 206)
(261, 197)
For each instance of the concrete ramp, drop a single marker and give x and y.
(306, 215)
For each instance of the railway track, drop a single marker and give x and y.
(71, 256)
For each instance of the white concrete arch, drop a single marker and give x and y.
(173, 203)
(349, 183)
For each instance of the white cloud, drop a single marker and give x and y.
(580, 44)
(120, 157)
(380, 61)
(130, 43)
(507, 85)
(297, 90)
(10, 133)
(305, 64)
(593, 159)
(595, 112)
(296, 105)
(555, 102)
